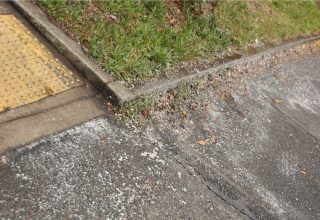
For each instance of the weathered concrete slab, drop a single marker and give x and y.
(51, 102)
(24, 130)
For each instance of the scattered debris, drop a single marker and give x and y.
(113, 17)
(303, 172)
(203, 142)
(146, 113)
(184, 114)
(215, 119)
(99, 96)
(49, 90)
(245, 90)
(109, 106)
(101, 136)
(213, 138)
(277, 101)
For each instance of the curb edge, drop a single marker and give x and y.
(168, 84)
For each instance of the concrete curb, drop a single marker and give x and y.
(167, 84)
(104, 82)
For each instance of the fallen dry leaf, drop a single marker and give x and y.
(303, 172)
(113, 17)
(109, 106)
(49, 90)
(203, 142)
(277, 101)
(184, 114)
(146, 113)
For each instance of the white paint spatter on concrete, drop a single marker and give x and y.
(151, 155)
(77, 143)
(288, 165)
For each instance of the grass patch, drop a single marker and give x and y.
(133, 39)
(174, 101)
(137, 108)
(268, 21)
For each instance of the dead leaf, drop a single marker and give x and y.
(203, 142)
(146, 113)
(112, 17)
(109, 106)
(162, 106)
(184, 114)
(303, 172)
(277, 101)
(49, 90)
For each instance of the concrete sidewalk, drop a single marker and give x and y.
(260, 158)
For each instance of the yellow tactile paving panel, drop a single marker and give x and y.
(28, 71)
